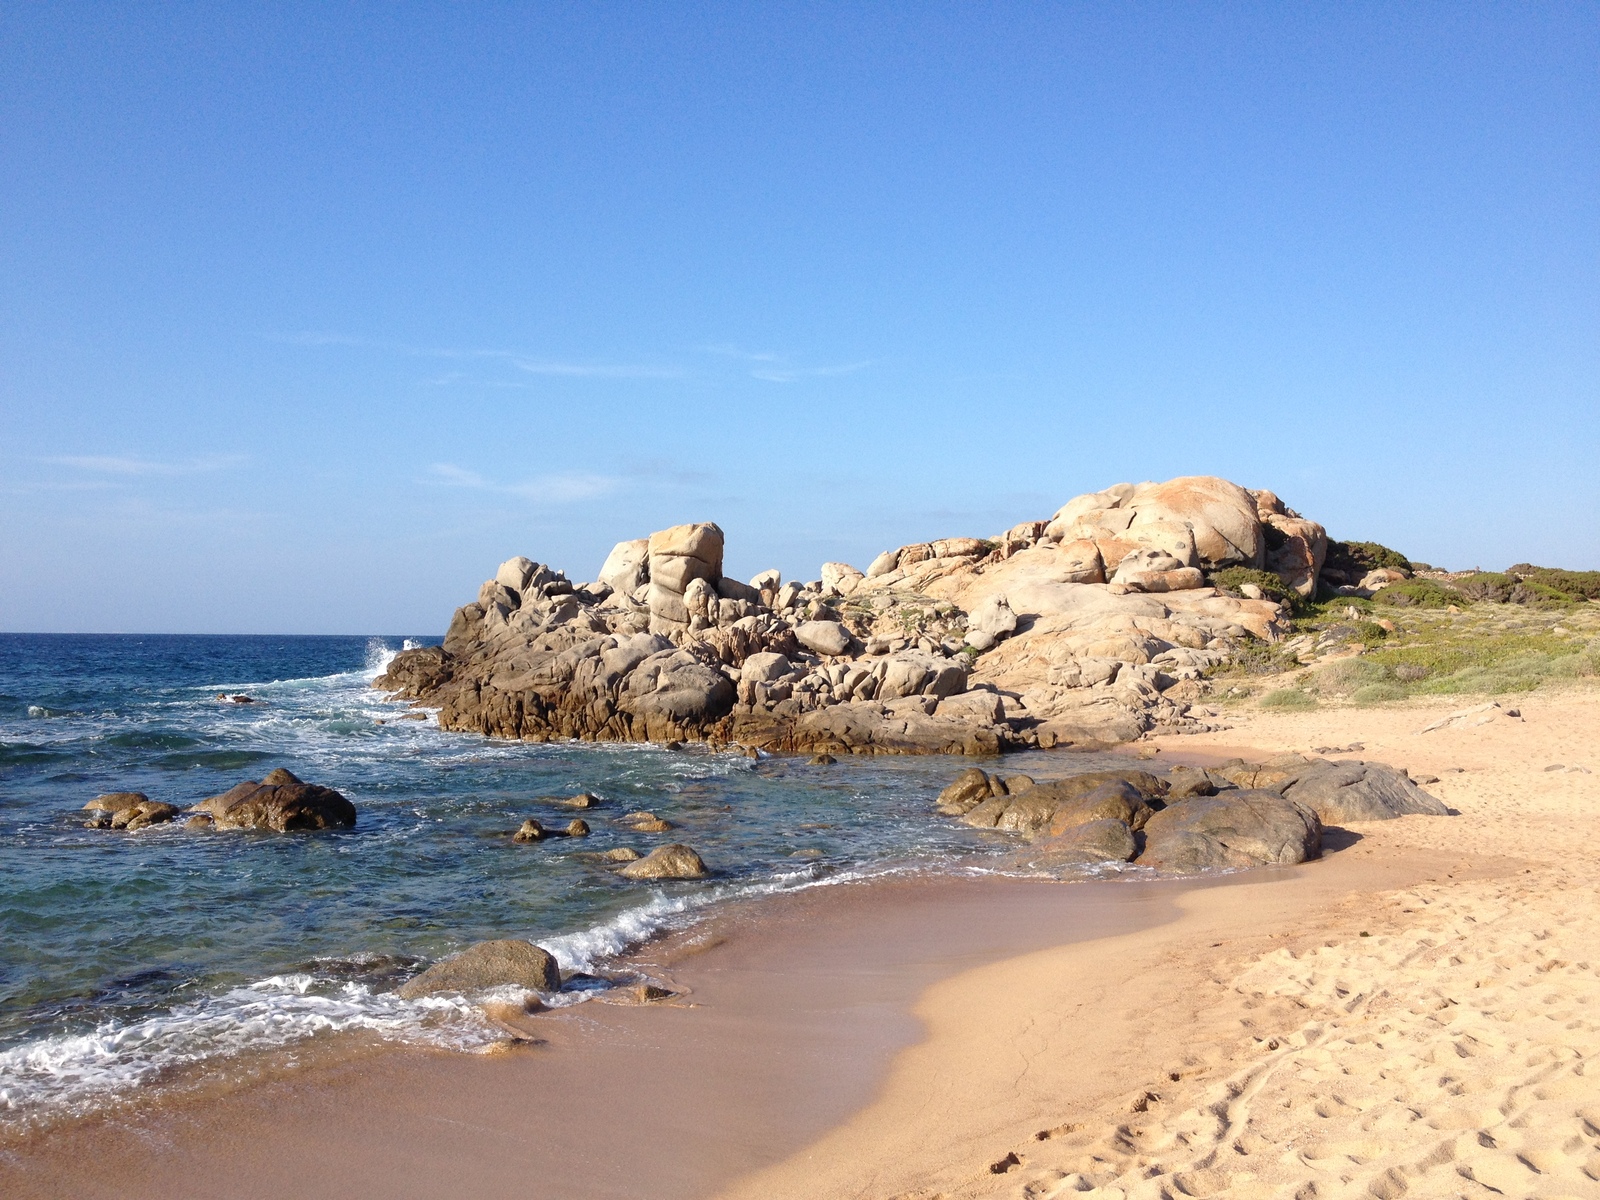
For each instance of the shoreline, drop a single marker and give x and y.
(950, 1068)
(793, 1008)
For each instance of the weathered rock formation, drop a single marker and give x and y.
(1090, 628)
(279, 802)
(485, 965)
(127, 810)
(1234, 816)
(674, 861)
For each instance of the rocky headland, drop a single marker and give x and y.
(1090, 628)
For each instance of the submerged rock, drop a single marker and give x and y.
(487, 965)
(646, 822)
(530, 831)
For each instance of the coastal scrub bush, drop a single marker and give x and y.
(1370, 633)
(1345, 676)
(1272, 586)
(1289, 700)
(1539, 595)
(1579, 584)
(1357, 558)
(1418, 593)
(1490, 586)
(1378, 693)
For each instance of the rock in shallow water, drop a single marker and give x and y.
(279, 802)
(675, 861)
(1098, 841)
(487, 965)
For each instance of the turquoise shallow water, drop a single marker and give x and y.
(122, 955)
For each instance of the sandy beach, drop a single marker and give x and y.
(1415, 1011)
(1341, 1034)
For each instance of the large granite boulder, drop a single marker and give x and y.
(279, 802)
(485, 965)
(626, 568)
(674, 861)
(823, 637)
(1129, 799)
(1221, 514)
(1342, 792)
(1233, 829)
(673, 690)
(1091, 843)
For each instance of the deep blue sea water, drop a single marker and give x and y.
(124, 955)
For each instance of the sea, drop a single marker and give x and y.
(128, 958)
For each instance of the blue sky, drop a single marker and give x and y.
(309, 316)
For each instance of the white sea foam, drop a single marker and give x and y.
(77, 1072)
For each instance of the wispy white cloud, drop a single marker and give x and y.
(567, 487)
(113, 464)
(728, 350)
(779, 368)
(791, 374)
(528, 363)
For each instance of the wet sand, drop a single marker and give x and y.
(915, 1038)
(794, 1008)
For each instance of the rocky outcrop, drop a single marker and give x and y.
(1230, 830)
(1349, 791)
(1091, 628)
(279, 802)
(127, 810)
(484, 965)
(1240, 814)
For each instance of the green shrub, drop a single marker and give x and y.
(1585, 584)
(1370, 633)
(1272, 586)
(1289, 700)
(1490, 586)
(1378, 693)
(1357, 558)
(1540, 595)
(1347, 675)
(1418, 593)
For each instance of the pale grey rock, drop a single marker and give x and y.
(626, 567)
(840, 578)
(883, 564)
(765, 667)
(994, 617)
(823, 637)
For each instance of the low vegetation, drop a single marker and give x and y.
(1481, 633)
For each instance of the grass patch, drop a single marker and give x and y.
(1289, 700)
(1378, 693)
